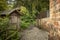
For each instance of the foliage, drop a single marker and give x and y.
(27, 18)
(39, 5)
(7, 35)
(3, 26)
(3, 23)
(3, 5)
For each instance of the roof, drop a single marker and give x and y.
(10, 11)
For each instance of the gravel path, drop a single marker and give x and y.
(33, 33)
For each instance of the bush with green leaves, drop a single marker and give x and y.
(27, 17)
(3, 26)
(6, 34)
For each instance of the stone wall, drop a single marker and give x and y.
(55, 19)
(55, 11)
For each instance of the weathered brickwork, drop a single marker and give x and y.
(55, 19)
(55, 10)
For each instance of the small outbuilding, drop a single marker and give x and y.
(14, 17)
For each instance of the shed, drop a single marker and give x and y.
(14, 17)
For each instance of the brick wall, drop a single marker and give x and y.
(55, 11)
(55, 19)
